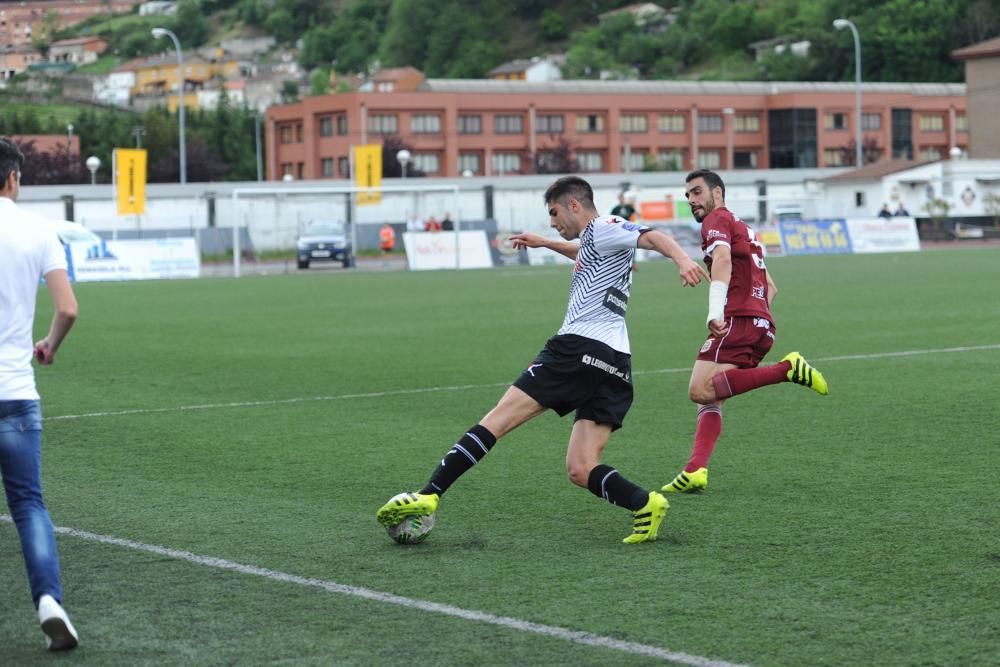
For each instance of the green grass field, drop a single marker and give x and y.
(262, 421)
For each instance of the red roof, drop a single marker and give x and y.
(988, 49)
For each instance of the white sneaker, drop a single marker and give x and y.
(60, 635)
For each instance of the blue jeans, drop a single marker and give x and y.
(21, 468)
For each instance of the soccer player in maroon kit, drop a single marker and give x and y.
(741, 330)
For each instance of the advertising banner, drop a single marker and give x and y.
(368, 172)
(439, 250)
(130, 180)
(815, 237)
(133, 260)
(884, 234)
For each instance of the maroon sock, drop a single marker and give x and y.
(741, 380)
(705, 436)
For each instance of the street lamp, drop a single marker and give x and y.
(403, 156)
(840, 24)
(163, 32)
(93, 164)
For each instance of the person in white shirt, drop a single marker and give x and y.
(30, 251)
(585, 368)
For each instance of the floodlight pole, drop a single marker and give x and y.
(161, 32)
(840, 24)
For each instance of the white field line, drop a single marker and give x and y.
(575, 636)
(427, 390)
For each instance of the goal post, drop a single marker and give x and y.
(285, 204)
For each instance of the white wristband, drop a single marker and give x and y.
(717, 300)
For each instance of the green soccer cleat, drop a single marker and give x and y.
(403, 505)
(804, 374)
(688, 482)
(646, 521)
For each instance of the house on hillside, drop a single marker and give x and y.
(16, 59)
(78, 51)
(394, 80)
(546, 68)
(781, 44)
(648, 15)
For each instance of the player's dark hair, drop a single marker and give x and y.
(712, 179)
(570, 186)
(11, 158)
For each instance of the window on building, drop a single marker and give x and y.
(833, 157)
(470, 124)
(326, 126)
(871, 121)
(932, 153)
(961, 123)
(589, 161)
(549, 123)
(859, 199)
(931, 122)
(792, 138)
(588, 123)
(746, 123)
(383, 123)
(425, 124)
(709, 123)
(470, 162)
(298, 133)
(633, 123)
(429, 163)
(300, 170)
(633, 160)
(709, 159)
(508, 124)
(344, 167)
(744, 159)
(902, 134)
(506, 163)
(835, 121)
(287, 169)
(670, 159)
(326, 167)
(285, 134)
(671, 122)
(342, 124)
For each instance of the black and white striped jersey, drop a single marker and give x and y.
(602, 278)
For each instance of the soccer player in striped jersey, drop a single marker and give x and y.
(585, 367)
(741, 329)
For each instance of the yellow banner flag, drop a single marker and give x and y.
(130, 180)
(368, 172)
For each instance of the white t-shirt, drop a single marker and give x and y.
(29, 248)
(602, 279)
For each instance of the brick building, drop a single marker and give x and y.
(18, 20)
(494, 127)
(982, 76)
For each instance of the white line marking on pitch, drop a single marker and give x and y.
(575, 636)
(427, 390)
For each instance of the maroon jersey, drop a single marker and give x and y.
(747, 295)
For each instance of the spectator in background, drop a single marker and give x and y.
(901, 211)
(416, 224)
(386, 240)
(29, 252)
(885, 213)
(447, 224)
(432, 225)
(623, 209)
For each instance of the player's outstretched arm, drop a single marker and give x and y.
(691, 272)
(529, 240)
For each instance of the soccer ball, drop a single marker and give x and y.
(412, 529)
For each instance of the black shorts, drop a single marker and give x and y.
(576, 373)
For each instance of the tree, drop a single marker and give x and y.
(289, 91)
(319, 81)
(558, 158)
(391, 168)
(55, 167)
(190, 23)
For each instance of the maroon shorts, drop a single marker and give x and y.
(748, 341)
